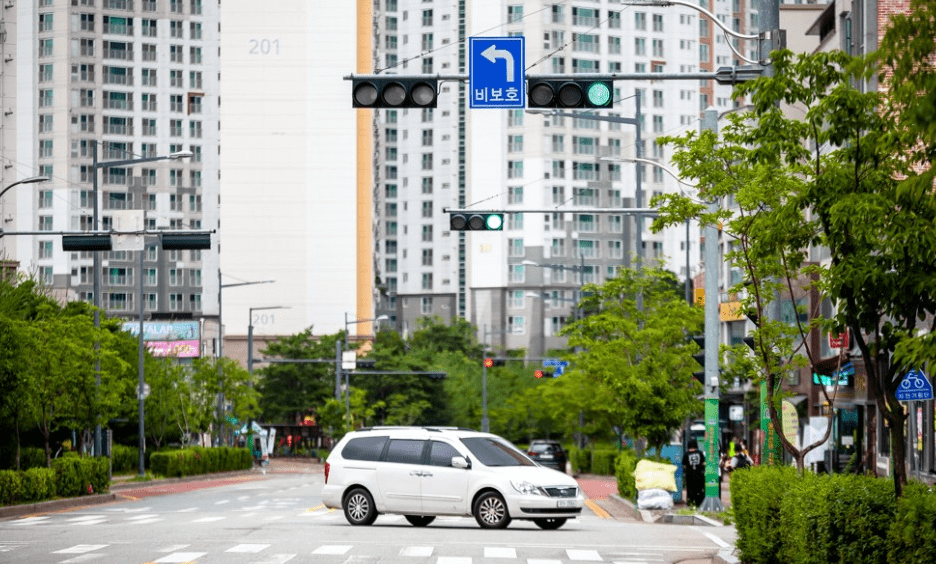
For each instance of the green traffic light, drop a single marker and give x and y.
(599, 94)
(495, 222)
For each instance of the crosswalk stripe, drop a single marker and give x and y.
(80, 549)
(248, 548)
(335, 549)
(589, 555)
(499, 552)
(179, 557)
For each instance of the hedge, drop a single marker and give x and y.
(781, 518)
(70, 476)
(624, 466)
(200, 460)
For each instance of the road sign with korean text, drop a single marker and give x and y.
(497, 72)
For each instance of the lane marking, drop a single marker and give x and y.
(499, 552)
(589, 555)
(597, 510)
(335, 549)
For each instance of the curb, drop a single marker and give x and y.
(56, 505)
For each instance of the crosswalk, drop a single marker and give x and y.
(263, 553)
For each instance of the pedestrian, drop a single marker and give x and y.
(694, 470)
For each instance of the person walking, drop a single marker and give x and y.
(694, 469)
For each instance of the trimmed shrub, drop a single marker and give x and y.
(37, 484)
(756, 495)
(624, 465)
(11, 485)
(603, 462)
(912, 537)
(200, 460)
(861, 510)
(125, 459)
(805, 510)
(76, 476)
(580, 458)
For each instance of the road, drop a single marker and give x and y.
(278, 518)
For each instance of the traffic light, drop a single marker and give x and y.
(489, 362)
(394, 92)
(552, 93)
(700, 358)
(538, 373)
(476, 221)
(183, 241)
(86, 242)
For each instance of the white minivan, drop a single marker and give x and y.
(423, 472)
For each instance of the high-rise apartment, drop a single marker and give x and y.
(125, 80)
(518, 286)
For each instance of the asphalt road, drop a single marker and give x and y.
(274, 514)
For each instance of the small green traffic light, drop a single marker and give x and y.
(476, 221)
(599, 94)
(494, 222)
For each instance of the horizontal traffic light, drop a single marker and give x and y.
(394, 92)
(182, 241)
(86, 242)
(476, 221)
(553, 93)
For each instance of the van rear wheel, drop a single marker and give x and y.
(359, 507)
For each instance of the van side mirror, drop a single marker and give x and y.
(461, 462)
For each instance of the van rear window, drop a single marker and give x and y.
(364, 448)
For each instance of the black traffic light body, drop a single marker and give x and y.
(700, 358)
(559, 93)
(394, 92)
(183, 241)
(86, 242)
(490, 362)
(476, 221)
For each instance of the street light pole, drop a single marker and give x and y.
(347, 373)
(96, 289)
(221, 344)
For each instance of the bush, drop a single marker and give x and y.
(580, 459)
(756, 495)
(912, 537)
(125, 459)
(603, 462)
(37, 484)
(200, 460)
(11, 485)
(76, 476)
(624, 465)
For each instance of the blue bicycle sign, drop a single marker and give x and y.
(914, 387)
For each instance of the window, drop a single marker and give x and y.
(45, 148)
(614, 20)
(515, 194)
(45, 123)
(640, 21)
(195, 129)
(45, 73)
(196, 8)
(427, 18)
(427, 257)
(515, 143)
(515, 248)
(657, 22)
(45, 98)
(427, 208)
(425, 305)
(405, 451)
(640, 46)
(514, 13)
(658, 48)
(149, 52)
(514, 169)
(148, 77)
(516, 324)
(175, 53)
(195, 80)
(515, 299)
(175, 128)
(426, 233)
(195, 55)
(426, 185)
(517, 273)
(45, 22)
(426, 137)
(175, 78)
(45, 249)
(427, 281)
(45, 48)
(195, 30)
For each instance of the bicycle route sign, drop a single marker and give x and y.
(915, 387)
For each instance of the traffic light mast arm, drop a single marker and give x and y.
(625, 211)
(723, 76)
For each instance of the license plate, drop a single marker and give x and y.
(565, 503)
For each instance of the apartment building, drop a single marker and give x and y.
(100, 81)
(518, 286)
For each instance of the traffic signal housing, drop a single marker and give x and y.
(538, 373)
(394, 92)
(700, 358)
(93, 242)
(490, 362)
(553, 93)
(476, 221)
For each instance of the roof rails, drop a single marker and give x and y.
(434, 428)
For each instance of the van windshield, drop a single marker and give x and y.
(492, 451)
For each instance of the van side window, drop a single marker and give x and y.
(364, 448)
(440, 454)
(407, 451)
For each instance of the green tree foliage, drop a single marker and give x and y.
(828, 178)
(640, 355)
(288, 391)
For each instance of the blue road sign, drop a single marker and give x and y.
(915, 387)
(497, 72)
(559, 365)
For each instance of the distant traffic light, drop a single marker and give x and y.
(86, 242)
(488, 362)
(183, 241)
(476, 221)
(543, 373)
(553, 93)
(700, 358)
(394, 92)
(538, 373)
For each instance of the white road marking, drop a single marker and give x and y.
(29, 521)
(499, 552)
(180, 557)
(80, 549)
(248, 548)
(717, 540)
(589, 555)
(417, 551)
(173, 548)
(209, 519)
(332, 549)
(276, 559)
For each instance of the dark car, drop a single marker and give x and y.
(548, 453)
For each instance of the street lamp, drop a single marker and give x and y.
(347, 373)
(250, 355)
(221, 286)
(95, 165)
(29, 180)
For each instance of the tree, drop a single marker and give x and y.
(828, 179)
(642, 355)
(288, 391)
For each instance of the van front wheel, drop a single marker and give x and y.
(490, 511)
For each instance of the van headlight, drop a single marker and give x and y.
(526, 488)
